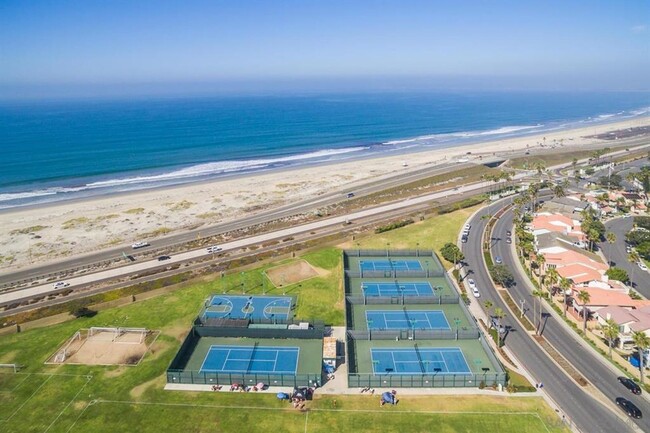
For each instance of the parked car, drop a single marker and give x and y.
(471, 283)
(140, 244)
(508, 233)
(476, 292)
(60, 284)
(464, 239)
(629, 408)
(467, 227)
(498, 260)
(643, 266)
(214, 249)
(508, 240)
(163, 258)
(630, 384)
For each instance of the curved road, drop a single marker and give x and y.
(590, 364)
(589, 415)
(617, 254)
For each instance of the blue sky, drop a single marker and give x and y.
(161, 46)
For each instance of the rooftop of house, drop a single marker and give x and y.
(579, 273)
(567, 257)
(556, 223)
(637, 319)
(603, 297)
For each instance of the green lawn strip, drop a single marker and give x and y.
(42, 408)
(392, 420)
(431, 233)
(225, 411)
(15, 390)
(185, 418)
(519, 381)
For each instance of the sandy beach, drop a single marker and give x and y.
(50, 232)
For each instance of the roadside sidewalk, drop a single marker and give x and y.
(579, 339)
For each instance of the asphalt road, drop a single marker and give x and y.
(591, 365)
(149, 265)
(617, 254)
(271, 215)
(589, 415)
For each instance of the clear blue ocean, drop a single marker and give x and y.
(70, 149)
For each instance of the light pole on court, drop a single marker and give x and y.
(457, 322)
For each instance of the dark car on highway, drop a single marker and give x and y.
(163, 258)
(630, 384)
(629, 408)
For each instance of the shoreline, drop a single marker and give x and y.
(74, 189)
(50, 231)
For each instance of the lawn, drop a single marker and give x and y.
(79, 403)
(108, 399)
(429, 234)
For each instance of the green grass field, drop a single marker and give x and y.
(75, 399)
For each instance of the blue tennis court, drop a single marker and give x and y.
(405, 319)
(251, 359)
(419, 361)
(248, 307)
(390, 265)
(397, 289)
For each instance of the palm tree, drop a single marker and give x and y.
(533, 189)
(584, 297)
(552, 277)
(499, 314)
(541, 261)
(559, 191)
(565, 285)
(642, 342)
(610, 330)
(610, 237)
(488, 306)
(538, 294)
(633, 258)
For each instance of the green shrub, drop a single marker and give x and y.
(394, 226)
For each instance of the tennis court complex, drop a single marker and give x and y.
(406, 319)
(251, 359)
(395, 288)
(419, 361)
(248, 307)
(390, 265)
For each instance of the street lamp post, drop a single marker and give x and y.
(457, 322)
(241, 281)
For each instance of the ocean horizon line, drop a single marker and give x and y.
(342, 148)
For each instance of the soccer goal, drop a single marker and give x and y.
(12, 367)
(131, 335)
(63, 354)
(103, 333)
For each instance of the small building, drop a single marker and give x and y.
(329, 351)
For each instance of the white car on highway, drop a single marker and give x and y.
(471, 284)
(214, 249)
(60, 284)
(476, 292)
(140, 244)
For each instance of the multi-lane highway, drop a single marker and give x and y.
(41, 289)
(588, 414)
